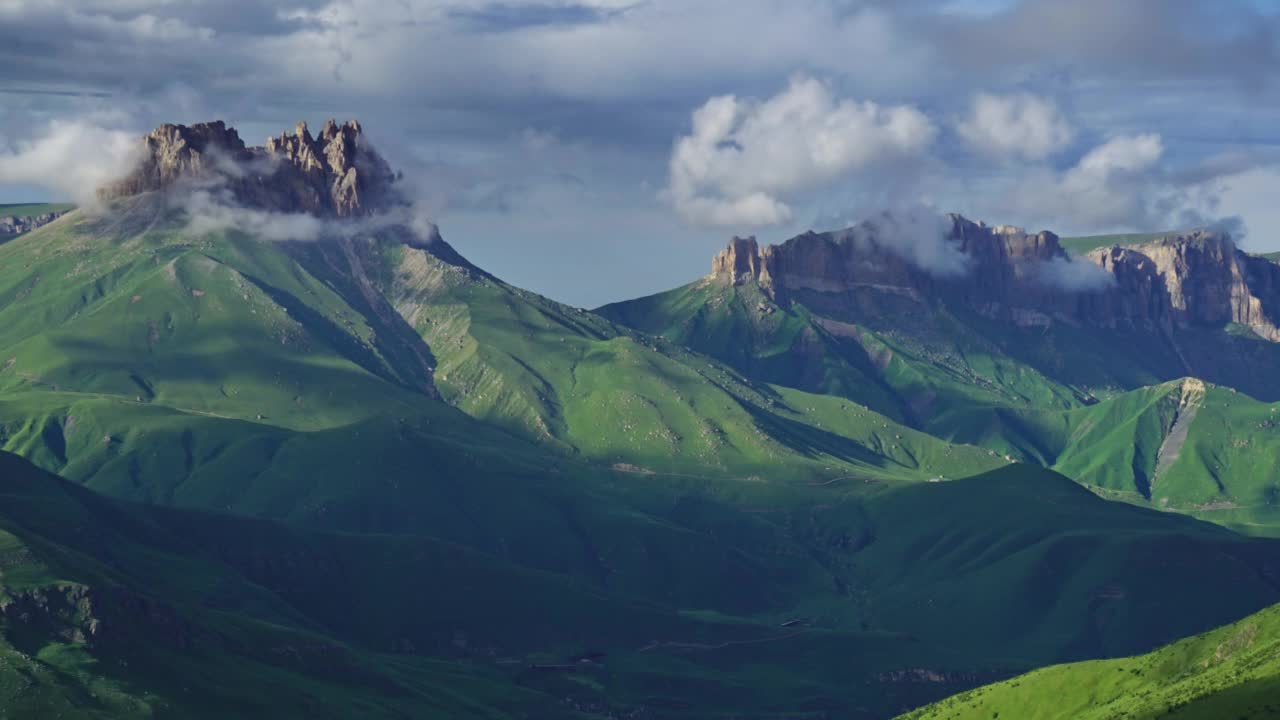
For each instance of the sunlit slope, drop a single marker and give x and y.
(1055, 397)
(1185, 445)
(1231, 672)
(572, 379)
(918, 365)
(130, 306)
(325, 335)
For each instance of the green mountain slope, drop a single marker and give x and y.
(910, 368)
(150, 607)
(108, 611)
(317, 336)
(1200, 449)
(1093, 403)
(1231, 672)
(366, 471)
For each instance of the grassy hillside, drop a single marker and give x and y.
(1200, 449)
(1273, 256)
(1231, 672)
(908, 367)
(1095, 405)
(483, 487)
(155, 610)
(313, 337)
(106, 613)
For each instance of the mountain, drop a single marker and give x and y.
(18, 219)
(1231, 672)
(170, 303)
(117, 610)
(285, 407)
(114, 611)
(335, 174)
(1014, 325)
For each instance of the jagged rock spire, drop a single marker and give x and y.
(337, 174)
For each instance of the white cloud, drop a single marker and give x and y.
(1251, 196)
(1127, 154)
(72, 159)
(744, 158)
(919, 234)
(1073, 275)
(213, 211)
(1116, 184)
(1023, 125)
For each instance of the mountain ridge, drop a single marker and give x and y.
(334, 174)
(1175, 279)
(445, 467)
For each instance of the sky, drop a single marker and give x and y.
(597, 150)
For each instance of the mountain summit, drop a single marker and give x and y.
(335, 174)
(1196, 278)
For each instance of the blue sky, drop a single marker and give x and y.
(594, 150)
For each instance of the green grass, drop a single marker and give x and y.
(1231, 672)
(1094, 404)
(1007, 575)
(439, 481)
(325, 336)
(1084, 243)
(905, 366)
(1215, 464)
(30, 209)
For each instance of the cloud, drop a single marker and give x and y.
(1022, 125)
(1073, 275)
(919, 234)
(212, 210)
(745, 158)
(72, 158)
(1114, 184)
(619, 78)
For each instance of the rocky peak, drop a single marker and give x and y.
(1001, 244)
(1197, 278)
(12, 225)
(738, 263)
(337, 174)
(869, 255)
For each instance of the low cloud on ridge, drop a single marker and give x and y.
(72, 158)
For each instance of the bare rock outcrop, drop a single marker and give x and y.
(11, 225)
(337, 174)
(1194, 279)
(1000, 259)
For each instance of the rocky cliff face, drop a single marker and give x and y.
(1003, 262)
(14, 225)
(1195, 279)
(336, 174)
